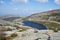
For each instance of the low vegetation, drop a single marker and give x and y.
(17, 27)
(14, 35)
(51, 25)
(9, 29)
(2, 37)
(11, 18)
(23, 28)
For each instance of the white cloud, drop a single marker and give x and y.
(15, 8)
(2, 2)
(57, 1)
(19, 1)
(42, 1)
(51, 9)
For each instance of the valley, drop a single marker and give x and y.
(38, 26)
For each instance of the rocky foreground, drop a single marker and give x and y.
(31, 34)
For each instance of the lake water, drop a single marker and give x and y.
(34, 25)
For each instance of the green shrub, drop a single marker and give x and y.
(9, 29)
(14, 35)
(55, 30)
(17, 27)
(24, 28)
(2, 37)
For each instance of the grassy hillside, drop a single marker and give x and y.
(50, 25)
(6, 23)
(11, 18)
(53, 15)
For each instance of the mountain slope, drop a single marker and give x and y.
(51, 19)
(53, 15)
(7, 16)
(11, 18)
(3, 22)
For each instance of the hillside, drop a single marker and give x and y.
(3, 22)
(53, 15)
(6, 16)
(10, 17)
(51, 19)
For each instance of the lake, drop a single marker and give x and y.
(34, 25)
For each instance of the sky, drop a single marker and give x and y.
(27, 7)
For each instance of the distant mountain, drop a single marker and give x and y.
(9, 17)
(52, 15)
(3, 22)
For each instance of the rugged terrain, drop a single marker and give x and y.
(52, 15)
(51, 19)
(12, 28)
